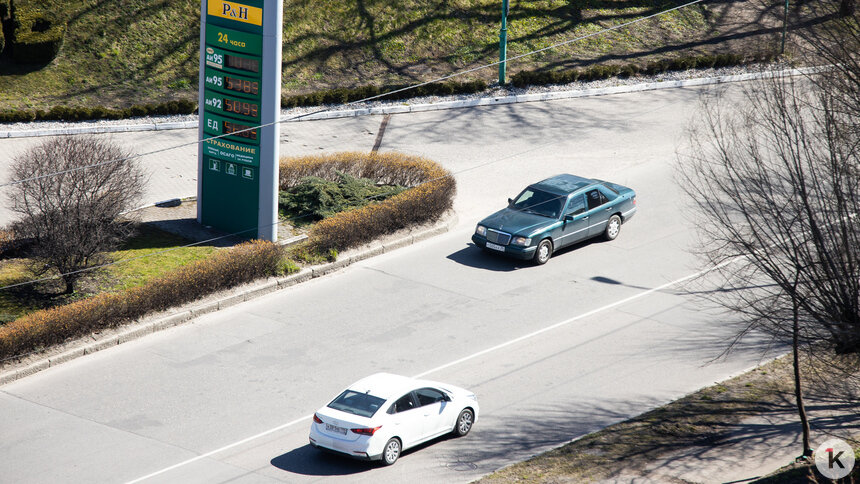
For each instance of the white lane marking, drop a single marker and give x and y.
(455, 362)
(575, 318)
(230, 446)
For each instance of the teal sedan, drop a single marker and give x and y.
(555, 213)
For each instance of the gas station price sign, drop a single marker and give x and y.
(239, 91)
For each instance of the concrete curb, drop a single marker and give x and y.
(85, 347)
(440, 106)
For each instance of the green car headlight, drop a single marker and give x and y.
(481, 230)
(524, 241)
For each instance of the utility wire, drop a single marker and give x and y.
(296, 217)
(370, 98)
(616, 27)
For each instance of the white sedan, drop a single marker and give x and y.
(378, 417)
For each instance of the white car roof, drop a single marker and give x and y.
(388, 385)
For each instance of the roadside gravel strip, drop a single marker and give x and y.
(496, 96)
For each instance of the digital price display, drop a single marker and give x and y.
(233, 86)
(239, 130)
(242, 63)
(227, 104)
(242, 85)
(244, 108)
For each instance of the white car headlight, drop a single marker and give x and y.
(481, 230)
(524, 241)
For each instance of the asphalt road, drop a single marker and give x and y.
(601, 333)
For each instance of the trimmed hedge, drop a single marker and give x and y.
(37, 35)
(227, 268)
(341, 96)
(536, 78)
(431, 192)
(81, 113)
(184, 106)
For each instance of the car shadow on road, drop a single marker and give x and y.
(474, 256)
(308, 461)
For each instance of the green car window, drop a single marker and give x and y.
(575, 206)
(538, 202)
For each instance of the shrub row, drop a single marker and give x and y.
(332, 96)
(81, 113)
(342, 95)
(431, 194)
(37, 35)
(534, 78)
(339, 96)
(227, 268)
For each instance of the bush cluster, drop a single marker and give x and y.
(7, 242)
(4, 14)
(535, 78)
(37, 34)
(323, 198)
(81, 113)
(342, 95)
(430, 193)
(224, 269)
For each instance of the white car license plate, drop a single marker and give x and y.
(493, 246)
(333, 428)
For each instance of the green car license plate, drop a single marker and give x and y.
(493, 246)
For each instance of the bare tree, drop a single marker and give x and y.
(68, 212)
(776, 183)
(836, 43)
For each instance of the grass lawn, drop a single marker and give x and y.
(136, 271)
(128, 52)
(147, 256)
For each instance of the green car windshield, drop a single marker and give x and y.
(538, 202)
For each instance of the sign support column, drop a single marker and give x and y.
(270, 143)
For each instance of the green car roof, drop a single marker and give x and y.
(563, 184)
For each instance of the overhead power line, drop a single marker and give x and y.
(297, 217)
(363, 100)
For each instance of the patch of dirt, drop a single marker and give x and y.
(718, 419)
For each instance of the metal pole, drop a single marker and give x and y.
(503, 43)
(784, 27)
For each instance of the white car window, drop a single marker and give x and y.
(402, 404)
(429, 396)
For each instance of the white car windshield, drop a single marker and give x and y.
(362, 404)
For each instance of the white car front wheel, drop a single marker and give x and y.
(464, 422)
(391, 451)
